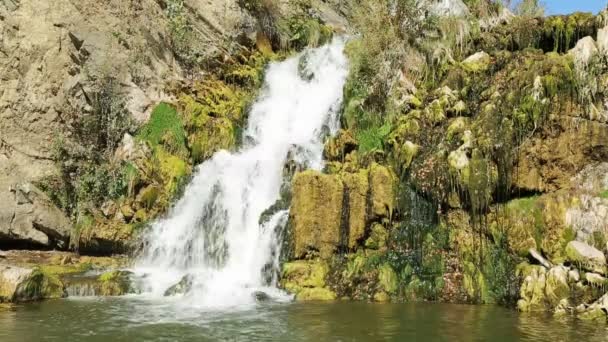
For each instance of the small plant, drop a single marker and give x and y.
(165, 128)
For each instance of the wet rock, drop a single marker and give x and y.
(182, 287)
(356, 191)
(595, 279)
(587, 257)
(339, 146)
(315, 294)
(261, 296)
(574, 276)
(532, 291)
(377, 238)
(596, 311)
(115, 283)
(18, 284)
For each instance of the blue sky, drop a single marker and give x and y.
(569, 6)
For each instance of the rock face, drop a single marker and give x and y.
(27, 216)
(52, 58)
(331, 212)
(316, 213)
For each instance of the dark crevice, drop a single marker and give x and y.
(344, 221)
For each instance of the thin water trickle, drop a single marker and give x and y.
(213, 236)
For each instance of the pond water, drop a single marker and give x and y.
(139, 319)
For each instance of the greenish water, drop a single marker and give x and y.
(133, 319)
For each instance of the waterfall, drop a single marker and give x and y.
(212, 238)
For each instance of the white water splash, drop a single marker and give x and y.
(213, 233)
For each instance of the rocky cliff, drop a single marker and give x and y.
(494, 129)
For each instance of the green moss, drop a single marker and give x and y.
(114, 283)
(372, 139)
(387, 279)
(301, 274)
(40, 285)
(215, 135)
(315, 294)
(306, 32)
(165, 128)
(148, 196)
(604, 194)
(173, 169)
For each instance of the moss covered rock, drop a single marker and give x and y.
(114, 283)
(307, 280)
(316, 212)
(586, 256)
(22, 284)
(382, 187)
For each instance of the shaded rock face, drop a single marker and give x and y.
(330, 213)
(28, 217)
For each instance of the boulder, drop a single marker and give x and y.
(19, 284)
(587, 257)
(182, 287)
(583, 51)
(306, 280)
(596, 311)
(449, 8)
(477, 62)
(115, 283)
(27, 216)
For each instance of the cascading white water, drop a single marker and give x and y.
(213, 235)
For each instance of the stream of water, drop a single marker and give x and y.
(212, 240)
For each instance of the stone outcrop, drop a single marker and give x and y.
(53, 58)
(316, 213)
(28, 217)
(331, 212)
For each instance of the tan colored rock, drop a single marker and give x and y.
(382, 184)
(27, 215)
(316, 212)
(357, 187)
